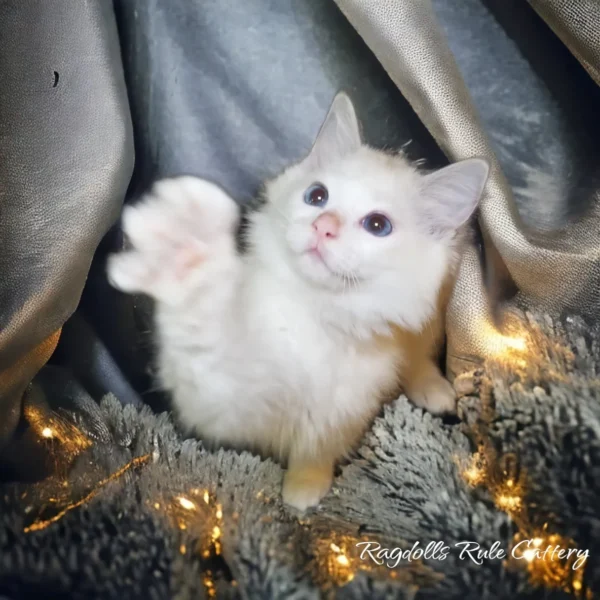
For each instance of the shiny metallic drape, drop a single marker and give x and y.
(558, 272)
(577, 24)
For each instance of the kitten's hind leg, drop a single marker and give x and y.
(182, 239)
(306, 481)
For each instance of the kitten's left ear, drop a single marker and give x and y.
(450, 196)
(339, 135)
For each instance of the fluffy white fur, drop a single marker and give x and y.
(287, 351)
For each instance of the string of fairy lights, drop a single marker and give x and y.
(509, 496)
(198, 516)
(506, 483)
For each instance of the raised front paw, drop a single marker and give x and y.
(182, 226)
(432, 391)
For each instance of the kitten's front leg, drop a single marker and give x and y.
(306, 481)
(182, 245)
(422, 379)
(428, 388)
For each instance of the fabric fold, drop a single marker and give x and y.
(556, 272)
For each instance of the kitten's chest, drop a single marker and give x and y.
(317, 361)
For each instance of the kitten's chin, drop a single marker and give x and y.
(314, 268)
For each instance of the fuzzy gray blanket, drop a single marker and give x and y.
(477, 507)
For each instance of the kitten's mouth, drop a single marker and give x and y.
(317, 256)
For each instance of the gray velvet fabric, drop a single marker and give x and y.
(235, 91)
(543, 131)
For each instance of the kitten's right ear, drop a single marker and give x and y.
(339, 135)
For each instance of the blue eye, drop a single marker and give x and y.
(377, 224)
(316, 195)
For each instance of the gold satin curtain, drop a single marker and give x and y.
(559, 272)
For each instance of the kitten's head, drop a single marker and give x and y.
(367, 227)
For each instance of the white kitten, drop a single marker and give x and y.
(291, 349)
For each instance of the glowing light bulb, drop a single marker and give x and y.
(514, 343)
(508, 503)
(335, 548)
(185, 503)
(342, 559)
(48, 433)
(529, 555)
(498, 344)
(473, 475)
(537, 542)
(206, 497)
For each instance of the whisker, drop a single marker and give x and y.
(347, 272)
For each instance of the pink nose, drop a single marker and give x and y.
(327, 225)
